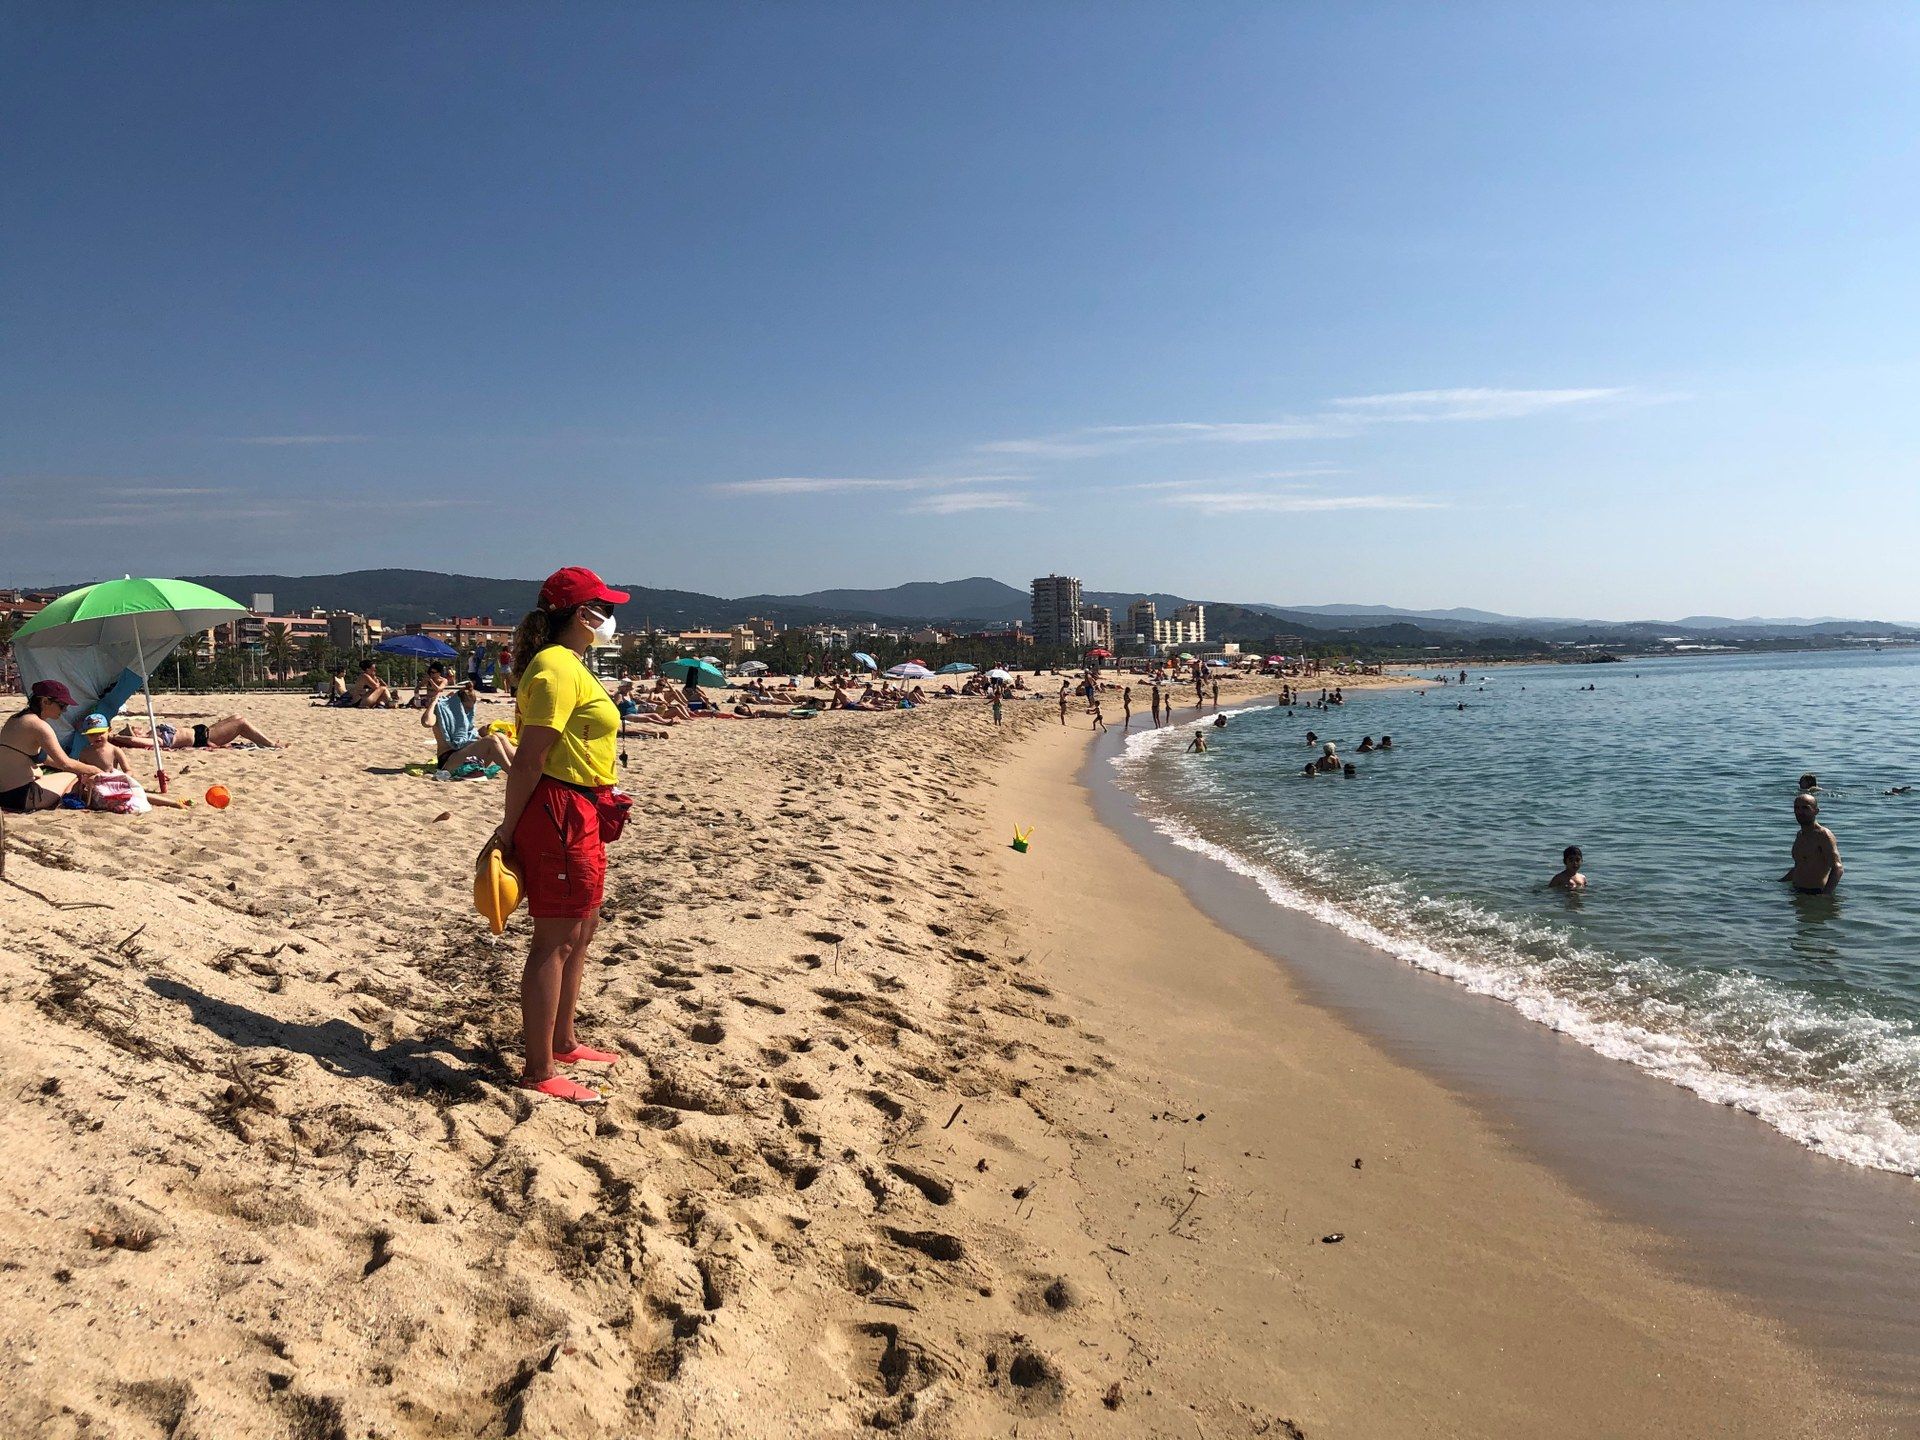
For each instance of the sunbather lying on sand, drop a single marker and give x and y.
(222, 734)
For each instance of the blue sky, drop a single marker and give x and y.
(1600, 310)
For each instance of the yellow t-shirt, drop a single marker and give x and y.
(559, 692)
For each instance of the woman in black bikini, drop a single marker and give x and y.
(27, 741)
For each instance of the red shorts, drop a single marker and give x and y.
(561, 858)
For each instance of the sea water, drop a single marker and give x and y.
(1685, 955)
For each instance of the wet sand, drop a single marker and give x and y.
(906, 1134)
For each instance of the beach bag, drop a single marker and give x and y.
(119, 795)
(613, 807)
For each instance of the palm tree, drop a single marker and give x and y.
(279, 650)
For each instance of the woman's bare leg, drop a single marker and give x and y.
(225, 732)
(542, 986)
(49, 790)
(563, 1037)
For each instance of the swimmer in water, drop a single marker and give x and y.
(1366, 745)
(1816, 868)
(1350, 772)
(1199, 743)
(1308, 770)
(1386, 743)
(1328, 761)
(1569, 877)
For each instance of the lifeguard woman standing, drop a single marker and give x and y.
(560, 809)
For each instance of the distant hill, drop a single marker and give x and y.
(977, 598)
(411, 596)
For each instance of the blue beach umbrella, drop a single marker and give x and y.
(416, 647)
(958, 667)
(867, 660)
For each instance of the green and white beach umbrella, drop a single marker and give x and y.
(104, 641)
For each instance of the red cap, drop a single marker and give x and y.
(575, 585)
(52, 690)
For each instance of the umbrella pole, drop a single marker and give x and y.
(153, 729)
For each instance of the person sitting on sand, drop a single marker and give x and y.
(369, 692)
(1329, 761)
(457, 734)
(27, 740)
(100, 751)
(1816, 865)
(428, 690)
(222, 734)
(1569, 877)
(333, 689)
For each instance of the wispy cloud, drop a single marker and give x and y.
(1241, 502)
(129, 506)
(1110, 439)
(1335, 419)
(833, 485)
(298, 439)
(958, 502)
(809, 485)
(1466, 404)
(1305, 472)
(129, 516)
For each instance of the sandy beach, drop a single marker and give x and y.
(911, 1132)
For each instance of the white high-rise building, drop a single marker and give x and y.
(1056, 611)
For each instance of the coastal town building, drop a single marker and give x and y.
(1056, 610)
(704, 642)
(464, 631)
(347, 631)
(1096, 627)
(1186, 627)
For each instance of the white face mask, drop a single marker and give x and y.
(604, 631)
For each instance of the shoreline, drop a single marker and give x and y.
(910, 1132)
(1725, 1200)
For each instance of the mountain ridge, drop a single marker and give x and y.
(413, 596)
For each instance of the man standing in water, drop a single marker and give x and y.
(1816, 854)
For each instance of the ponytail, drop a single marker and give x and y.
(538, 629)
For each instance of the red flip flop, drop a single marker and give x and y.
(558, 1087)
(584, 1055)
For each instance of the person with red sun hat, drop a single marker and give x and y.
(561, 809)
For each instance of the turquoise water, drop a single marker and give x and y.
(1686, 955)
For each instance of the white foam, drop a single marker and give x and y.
(1860, 1132)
